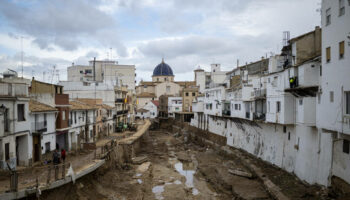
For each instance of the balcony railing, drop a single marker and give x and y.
(293, 82)
(259, 93)
(40, 126)
(119, 100)
(226, 112)
(259, 116)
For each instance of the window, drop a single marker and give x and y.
(320, 70)
(20, 112)
(47, 147)
(88, 71)
(341, 8)
(347, 103)
(63, 115)
(284, 129)
(300, 102)
(278, 106)
(239, 106)
(288, 135)
(186, 94)
(193, 94)
(328, 54)
(7, 151)
(45, 120)
(236, 106)
(217, 106)
(168, 89)
(75, 117)
(319, 98)
(328, 16)
(331, 96)
(346, 146)
(341, 50)
(81, 71)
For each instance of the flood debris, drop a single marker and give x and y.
(240, 172)
(139, 160)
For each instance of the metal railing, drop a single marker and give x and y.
(259, 116)
(259, 93)
(40, 126)
(226, 112)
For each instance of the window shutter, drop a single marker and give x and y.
(341, 49)
(328, 54)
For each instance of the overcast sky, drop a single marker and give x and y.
(187, 33)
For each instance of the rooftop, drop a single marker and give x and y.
(35, 106)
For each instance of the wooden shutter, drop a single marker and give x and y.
(341, 49)
(328, 54)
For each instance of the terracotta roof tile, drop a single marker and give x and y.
(155, 102)
(78, 105)
(146, 94)
(35, 106)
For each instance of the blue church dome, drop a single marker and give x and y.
(163, 69)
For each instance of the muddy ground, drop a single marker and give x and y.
(178, 170)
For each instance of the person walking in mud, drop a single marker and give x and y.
(63, 155)
(55, 157)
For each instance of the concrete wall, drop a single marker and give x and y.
(297, 149)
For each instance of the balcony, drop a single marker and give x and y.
(259, 116)
(259, 93)
(122, 112)
(226, 112)
(13, 89)
(40, 126)
(303, 91)
(119, 100)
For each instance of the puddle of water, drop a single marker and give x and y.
(139, 181)
(195, 191)
(158, 190)
(187, 170)
(138, 175)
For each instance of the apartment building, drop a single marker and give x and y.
(43, 129)
(333, 98)
(107, 71)
(174, 106)
(273, 108)
(203, 79)
(15, 140)
(82, 123)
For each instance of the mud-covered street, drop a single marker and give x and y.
(176, 170)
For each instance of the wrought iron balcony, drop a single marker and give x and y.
(40, 126)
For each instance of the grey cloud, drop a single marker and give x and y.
(62, 22)
(35, 66)
(198, 45)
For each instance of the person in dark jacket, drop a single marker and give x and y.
(55, 157)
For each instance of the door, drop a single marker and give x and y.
(36, 148)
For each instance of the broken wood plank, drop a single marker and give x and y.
(240, 173)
